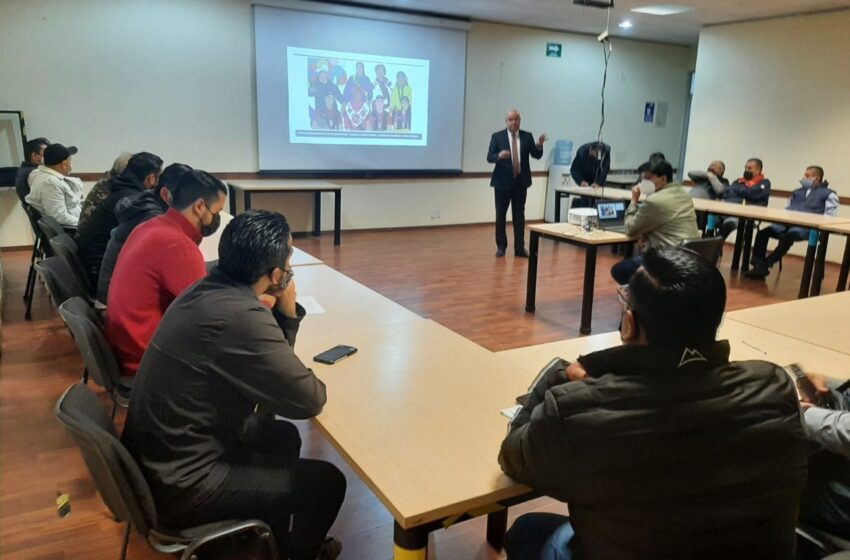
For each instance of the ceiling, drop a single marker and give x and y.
(565, 16)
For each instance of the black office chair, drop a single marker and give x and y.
(38, 253)
(98, 357)
(65, 247)
(815, 543)
(60, 280)
(126, 492)
(709, 248)
(50, 226)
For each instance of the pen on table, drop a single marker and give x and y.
(754, 348)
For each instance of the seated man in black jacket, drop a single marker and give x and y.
(751, 188)
(662, 447)
(34, 152)
(141, 174)
(221, 365)
(133, 211)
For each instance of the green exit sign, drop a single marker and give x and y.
(553, 50)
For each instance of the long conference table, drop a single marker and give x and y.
(821, 226)
(416, 411)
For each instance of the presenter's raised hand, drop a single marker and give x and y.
(505, 154)
(541, 139)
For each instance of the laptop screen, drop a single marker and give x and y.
(611, 212)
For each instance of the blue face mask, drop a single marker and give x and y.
(807, 183)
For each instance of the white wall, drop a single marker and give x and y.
(176, 78)
(776, 90)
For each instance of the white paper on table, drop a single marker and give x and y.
(310, 305)
(511, 411)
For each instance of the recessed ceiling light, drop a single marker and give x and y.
(626, 24)
(663, 9)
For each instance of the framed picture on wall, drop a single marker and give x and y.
(12, 138)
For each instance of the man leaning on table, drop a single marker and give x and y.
(826, 502)
(661, 447)
(667, 216)
(221, 365)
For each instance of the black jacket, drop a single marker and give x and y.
(93, 235)
(217, 353)
(22, 186)
(738, 192)
(503, 172)
(667, 453)
(586, 169)
(131, 211)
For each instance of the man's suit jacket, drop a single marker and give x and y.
(503, 172)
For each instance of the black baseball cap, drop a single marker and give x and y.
(57, 153)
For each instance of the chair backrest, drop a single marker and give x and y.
(61, 281)
(34, 216)
(65, 247)
(710, 248)
(50, 227)
(116, 475)
(88, 335)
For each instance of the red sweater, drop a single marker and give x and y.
(159, 260)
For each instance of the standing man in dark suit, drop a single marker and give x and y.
(509, 150)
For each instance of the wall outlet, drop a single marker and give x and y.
(435, 214)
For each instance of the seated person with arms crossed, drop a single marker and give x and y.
(711, 183)
(160, 259)
(815, 197)
(667, 217)
(53, 192)
(201, 421)
(751, 188)
(34, 153)
(140, 175)
(826, 502)
(662, 447)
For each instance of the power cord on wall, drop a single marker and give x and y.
(605, 39)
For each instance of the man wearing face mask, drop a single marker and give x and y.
(814, 196)
(662, 447)
(666, 218)
(751, 188)
(222, 364)
(160, 259)
(53, 192)
(133, 211)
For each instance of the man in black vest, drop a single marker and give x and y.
(662, 447)
(509, 150)
(34, 152)
(815, 197)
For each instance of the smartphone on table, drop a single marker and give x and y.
(335, 354)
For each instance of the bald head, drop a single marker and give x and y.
(718, 168)
(512, 120)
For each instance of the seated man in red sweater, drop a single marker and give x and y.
(159, 260)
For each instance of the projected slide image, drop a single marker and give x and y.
(356, 99)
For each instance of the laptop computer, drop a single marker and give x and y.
(611, 216)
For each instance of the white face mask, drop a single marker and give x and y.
(647, 187)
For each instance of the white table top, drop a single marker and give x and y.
(823, 321)
(576, 233)
(259, 185)
(746, 342)
(209, 247)
(416, 413)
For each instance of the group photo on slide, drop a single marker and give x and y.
(353, 96)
